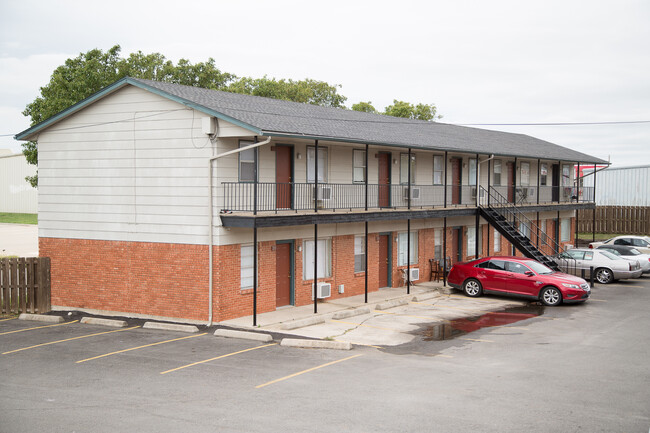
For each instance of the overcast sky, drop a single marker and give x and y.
(478, 61)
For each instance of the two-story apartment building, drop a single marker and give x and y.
(187, 203)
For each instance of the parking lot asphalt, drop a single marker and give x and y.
(571, 368)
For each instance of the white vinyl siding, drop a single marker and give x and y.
(130, 167)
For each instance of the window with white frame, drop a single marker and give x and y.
(542, 230)
(438, 169)
(322, 164)
(358, 165)
(524, 229)
(247, 162)
(403, 170)
(543, 174)
(496, 173)
(437, 241)
(324, 259)
(524, 174)
(246, 266)
(565, 230)
(401, 248)
(566, 175)
(359, 254)
(471, 241)
(497, 241)
(472, 172)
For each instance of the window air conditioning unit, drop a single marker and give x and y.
(531, 192)
(472, 192)
(325, 193)
(323, 290)
(415, 274)
(415, 193)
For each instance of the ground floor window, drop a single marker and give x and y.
(359, 254)
(324, 259)
(497, 241)
(471, 241)
(565, 230)
(542, 229)
(437, 240)
(246, 267)
(402, 241)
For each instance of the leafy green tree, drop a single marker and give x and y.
(365, 107)
(307, 91)
(410, 111)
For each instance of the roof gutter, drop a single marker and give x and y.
(211, 212)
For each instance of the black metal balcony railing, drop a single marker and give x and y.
(273, 197)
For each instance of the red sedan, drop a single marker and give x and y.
(516, 276)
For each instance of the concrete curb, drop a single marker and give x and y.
(171, 327)
(229, 333)
(425, 296)
(303, 322)
(391, 304)
(316, 344)
(103, 322)
(41, 318)
(350, 313)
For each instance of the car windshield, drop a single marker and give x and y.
(539, 268)
(610, 255)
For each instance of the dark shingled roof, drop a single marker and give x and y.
(286, 118)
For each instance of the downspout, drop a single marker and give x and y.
(211, 217)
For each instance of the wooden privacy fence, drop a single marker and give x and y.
(25, 285)
(628, 220)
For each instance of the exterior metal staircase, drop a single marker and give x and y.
(505, 217)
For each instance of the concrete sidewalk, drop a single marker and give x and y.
(19, 240)
(428, 303)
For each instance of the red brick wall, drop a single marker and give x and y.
(135, 277)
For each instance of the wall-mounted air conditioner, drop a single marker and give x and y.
(415, 274)
(415, 193)
(323, 290)
(324, 195)
(531, 192)
(472, 192)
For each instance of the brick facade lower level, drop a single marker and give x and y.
(171, 280)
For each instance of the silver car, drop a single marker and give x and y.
(629, 253)
(641, 243)
(607, 266)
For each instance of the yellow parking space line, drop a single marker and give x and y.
(477, 339)
(37, 327)
(69, 339)
(361, 344)
(139, 347)
(362, 324)
(307, 371)
(11, 318)
(217, 357)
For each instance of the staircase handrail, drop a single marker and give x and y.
(518, 214)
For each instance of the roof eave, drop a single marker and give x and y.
(32, 132)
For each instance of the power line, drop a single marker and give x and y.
(554, 123)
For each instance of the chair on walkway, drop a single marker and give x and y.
(436, 270)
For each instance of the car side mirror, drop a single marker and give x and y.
(529, 273)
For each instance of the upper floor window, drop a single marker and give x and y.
(438, 169)
(247, 162)
(497, 172)
(472, 171)
(404, 168)
(543, 174)
(322, 164)
(524, 173)
(358, 165)
(566, 175)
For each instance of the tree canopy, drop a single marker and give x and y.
(86, 74)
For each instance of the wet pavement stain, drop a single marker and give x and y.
(431, 339)
(459, 327)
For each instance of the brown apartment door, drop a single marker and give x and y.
(283, 176)
(511, 182)
(456, 176)
(283, 277)
(384, 180)
(383, 259)
(555, 182)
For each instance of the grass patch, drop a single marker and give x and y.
(18, 218)
(599, 236)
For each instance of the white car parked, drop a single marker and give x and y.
(641, 243)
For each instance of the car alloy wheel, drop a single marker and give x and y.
(472, 288)
(604, 276)
(551, 296)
